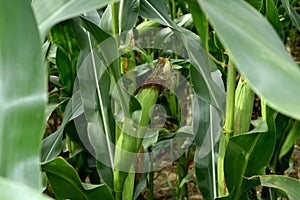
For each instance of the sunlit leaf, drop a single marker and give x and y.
(50, 12)
(14, 190)
(289, 186)
(66, 183)
(258, 53)
(23, 93)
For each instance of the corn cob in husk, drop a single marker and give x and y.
(160, 79)
(244, 98)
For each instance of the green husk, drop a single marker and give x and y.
(244, 98)
(160, 79)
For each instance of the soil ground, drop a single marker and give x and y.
(162, 188)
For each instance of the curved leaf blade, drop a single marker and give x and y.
(208, 131)
(241, 158)
(258, 53)
(156, 10)
(49, 13)
(23, 93)
(66, 183)
(52, 145)
(94, 84)
(128, 14)
(288, 185)
(13, 190)
(292, 13)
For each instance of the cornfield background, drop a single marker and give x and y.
(106, 99)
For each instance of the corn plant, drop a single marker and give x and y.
(141, 83)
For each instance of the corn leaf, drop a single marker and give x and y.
(23, 94)
(52, 145)
(14, 190)
(271, 13)
(207, 128)
(258, 53)
(49, 13)
(67, 53)
(292, 13)
(241, 158)
(94, 84)
(128, 14)
(66, 183)
(290, 139)
(289, 186)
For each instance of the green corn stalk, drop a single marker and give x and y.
(229, 126)
(244, 98)
(161, 78)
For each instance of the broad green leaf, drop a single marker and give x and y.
(206, 80)
(50, 12)
(256, 3)
(156, 10)
(271, 14)
(67, 53)
(14, 190)
(292, 13)
(128, 14)
(289, 186)
(129, 186)
(52, 145)
(101, 125)
(51, 107)
(66, 183)
(241, 158)
(106, 20)
(23, 93)
(200, 20)
(109, 55)
(203, 160)
(94, 85)
(284, 125)
(290, 139)
(258, 53)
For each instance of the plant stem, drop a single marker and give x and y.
(229, 126)
(231, 82)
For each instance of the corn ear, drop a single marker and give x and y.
(147, 96)
(244, 98)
